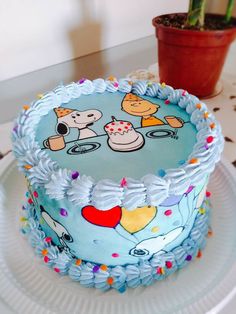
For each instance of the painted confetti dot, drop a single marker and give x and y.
(95, 268)
(75, 175)
(189, 258)
(63, 212)
(155, 229)
(35, 194)
(115, 255)
(168, 212)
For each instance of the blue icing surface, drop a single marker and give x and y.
(102, 162)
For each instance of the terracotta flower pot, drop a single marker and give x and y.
(191, 59)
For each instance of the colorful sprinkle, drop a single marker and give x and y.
(206, 115)
(44, 252)
(130, 83)
(111, 78)
(26, 107)
(48, 239)
(193, 161)
(212, 125)
(63, 212)
(35, 194)
(198, 106)
(206, 147)
(149, 84)
(23, 219)
(123, 183)
(210, 139)
(104, 267)
(163, 85)
(40, 96)
(202, 211)
(160, 270)
(74, 175)
(208, 194)
(46, 259)
(168, 264)
(161, 172)
(199, 254)
(81, 81)
(116, 84)
(181, 162)
(110, 280)
(57, 270)
(28, 167)
(184, 93)
(189, 258)
(168, 212)
(78, 262)
(155, 229)
(210, 233)
(167, 102)
(95, 269)
(115, 255)
(27, 194)
(30, 201)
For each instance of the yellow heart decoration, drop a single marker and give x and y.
(137, 219)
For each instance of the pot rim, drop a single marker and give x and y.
(190, 32)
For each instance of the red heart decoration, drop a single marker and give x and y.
(103, 218)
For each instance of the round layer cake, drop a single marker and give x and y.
(117, 174)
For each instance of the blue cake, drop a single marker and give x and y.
(117, 174)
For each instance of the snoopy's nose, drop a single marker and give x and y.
(90, 115)
(139, 252)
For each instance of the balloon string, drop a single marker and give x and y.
(126, 238)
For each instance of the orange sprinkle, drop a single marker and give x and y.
(27, 167)
(130, 82)
(198, 106)
(199, 254)
(110, 280)
(206, 115)
(193, 161)
(103, 267)
(78, 262)
(111, 78)
(44, 252)
(210, 233)
(26, 107)
(212, 125)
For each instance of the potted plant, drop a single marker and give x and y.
(192, 47)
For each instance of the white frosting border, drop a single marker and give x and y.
(152, 190)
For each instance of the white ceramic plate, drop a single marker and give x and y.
(28, 286)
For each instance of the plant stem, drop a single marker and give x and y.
(202, 14)
(196, 13)
(229, 11)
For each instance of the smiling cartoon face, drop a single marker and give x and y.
(137, 106)
(80, 119)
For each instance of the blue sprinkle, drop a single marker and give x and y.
(181, 162)
(122, 289)
(27, 194)
(161, 173)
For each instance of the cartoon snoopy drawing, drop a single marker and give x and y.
(63, 235)
(154, 246)
(81, 120)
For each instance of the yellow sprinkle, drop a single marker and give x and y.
(193, 161)
(206, 115)
(78, 262)
(111, 78)
(40, 96)
(162, 271)
(103, 267)
(27, 167)
(198, 106)
(130, 82)
(23, 219)
(44, 252)
(163, 84)
(155, 229)
(26, 107)
(202, 211)
(212, 125)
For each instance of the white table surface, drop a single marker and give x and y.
(119, 61)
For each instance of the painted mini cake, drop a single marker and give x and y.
(117, 175)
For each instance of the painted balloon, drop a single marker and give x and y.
(171, 200)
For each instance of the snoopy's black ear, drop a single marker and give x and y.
(62, 128)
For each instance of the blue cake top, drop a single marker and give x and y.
(116, 135)
(109, 142)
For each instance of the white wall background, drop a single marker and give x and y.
(39, 33)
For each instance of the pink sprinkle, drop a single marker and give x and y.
(158, 270)
(184, 93)
(46, 259)
(82, 80)
(168, 264)
(206, 146)
(57, 270)
(167, 102)
(30, 201)
(48, 239)
(210, 139)
(36, 194)
(123, 183)
(116, 84)
(115, 255)
(208, 194)
(168, 212)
